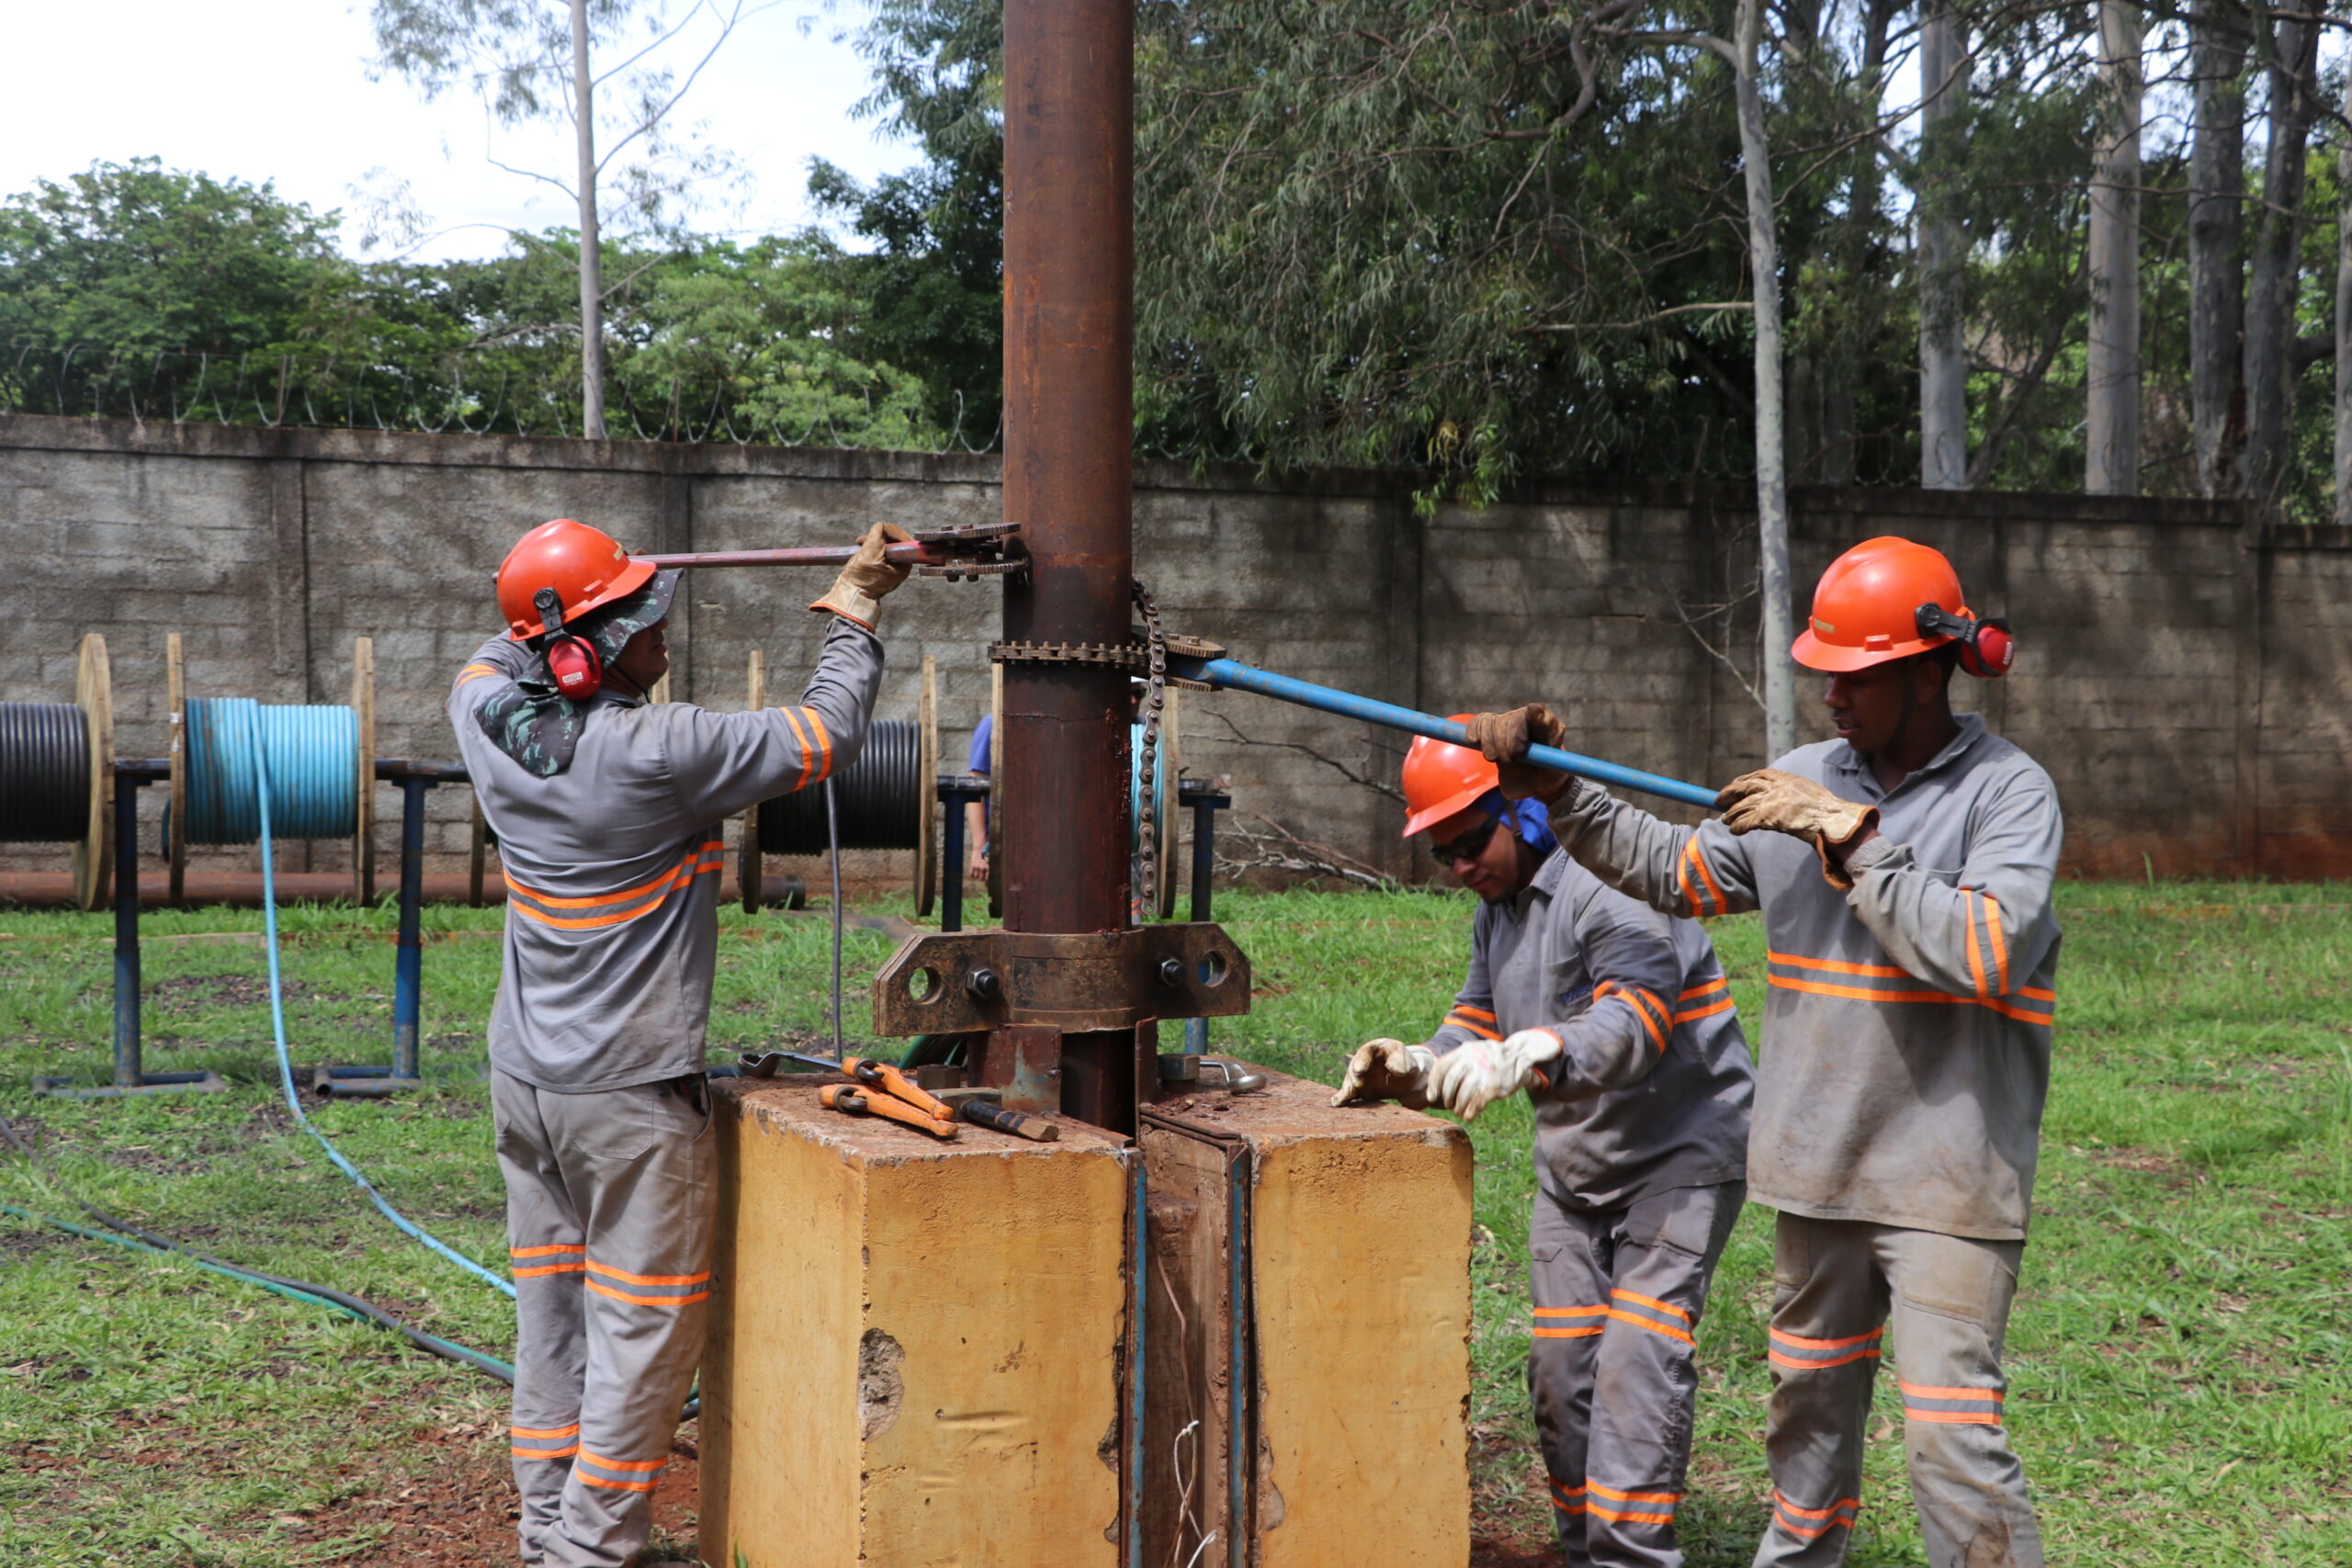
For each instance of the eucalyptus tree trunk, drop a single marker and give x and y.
(1771, 428)
(591, 259)
(2343, 323)
(2273, 278)
(2111, 458)
(1943, 360)
(2216, 235)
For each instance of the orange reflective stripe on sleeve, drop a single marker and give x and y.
(1647, 1008)
(1693, 860)
(1975, 947)
(1472, 1025)
(1714, 998)
(824, 744)
(1474, 1013)
(475, 672)
(800, 735)
(2000, 947)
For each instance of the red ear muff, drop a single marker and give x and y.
(1986, 652)
(574, 663)
(1986, 649)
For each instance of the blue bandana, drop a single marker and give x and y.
(1527, 819)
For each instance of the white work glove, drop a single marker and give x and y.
(1476, 1073)
(1387, 1070)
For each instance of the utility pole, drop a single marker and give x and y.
(591, 255)
(2111, 465)
(1943, 359)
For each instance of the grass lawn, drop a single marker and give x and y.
(2180, 1356)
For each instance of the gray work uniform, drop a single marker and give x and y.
(612, 874)
(1640, 1142)
(1907, 1026)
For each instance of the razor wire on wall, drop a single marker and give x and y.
(280, 389)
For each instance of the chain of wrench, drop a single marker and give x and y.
(1155, 704)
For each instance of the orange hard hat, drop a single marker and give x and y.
(1866, 606)
(1441, 778)
(587, 567)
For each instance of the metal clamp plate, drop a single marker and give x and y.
(953, 981)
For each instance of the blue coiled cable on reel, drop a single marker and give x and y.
(313, 770)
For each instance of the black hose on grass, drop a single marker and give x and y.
(141, 1239)
(138, 1238)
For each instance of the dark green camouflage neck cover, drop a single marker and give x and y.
(538, 725)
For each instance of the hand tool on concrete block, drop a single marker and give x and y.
(996, 1118)
(882, 1076)
(843, 1098)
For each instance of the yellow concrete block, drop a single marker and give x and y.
(1356, 1312)
(915, 1351)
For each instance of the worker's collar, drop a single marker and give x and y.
(1852, 763)
(1544, 883)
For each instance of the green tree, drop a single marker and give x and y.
(535, 61)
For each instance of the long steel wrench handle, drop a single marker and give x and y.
(1234, 675)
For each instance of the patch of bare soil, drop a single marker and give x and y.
(1511, 1517)
(461, 1512)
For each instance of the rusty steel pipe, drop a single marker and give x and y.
(800, 555)
(1069, 475)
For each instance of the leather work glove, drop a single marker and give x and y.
(857, 592)
(1473, 1076)
(1787, 804)
(1503, 739)
(1387, 1070)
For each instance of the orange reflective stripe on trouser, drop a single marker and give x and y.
(1808, 1524)
(1801, 1354)
(563, 1258)
(544, 1442)
(1952, 1406)
(649, 1289)
(1648, 1312)
(619, 1475)
(1567, 1499)
(1632, 1507)
(1569, 1322)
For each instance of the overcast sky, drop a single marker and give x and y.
(278, 90)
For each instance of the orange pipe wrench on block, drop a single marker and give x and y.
(883, 1091)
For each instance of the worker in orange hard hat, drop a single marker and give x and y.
(608, 811)
(1903, 871)
(1617, 1022)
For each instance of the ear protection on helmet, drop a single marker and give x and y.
(1986, 647)
(574, 663)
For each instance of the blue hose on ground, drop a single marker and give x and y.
(285, 1062)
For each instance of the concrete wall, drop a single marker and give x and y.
(2187, 672)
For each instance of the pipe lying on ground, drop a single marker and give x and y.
(1231, 674)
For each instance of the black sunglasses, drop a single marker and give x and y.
(1469, 846)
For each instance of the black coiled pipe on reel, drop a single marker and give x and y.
(879, 799)
(44, 774)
